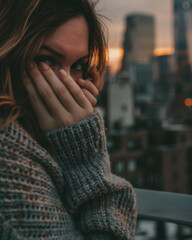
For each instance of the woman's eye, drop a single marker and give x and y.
(79, 69)
(46, 59)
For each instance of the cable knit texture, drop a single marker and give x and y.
(69, 195)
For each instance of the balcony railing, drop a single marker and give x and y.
(165, 206)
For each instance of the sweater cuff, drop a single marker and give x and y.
(80, 141)
(81, 152)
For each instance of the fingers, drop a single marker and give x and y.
(95, 77)
(74, 89)
(89, 86)
(41, 111)
(90, 90)
(90, 97)
(34, 97)
(57, 101)
(58, 87)
(45, 91)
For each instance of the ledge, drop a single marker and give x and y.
(164, 206)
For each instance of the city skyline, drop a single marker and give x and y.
(117, 11)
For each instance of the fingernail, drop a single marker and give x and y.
(44, 66)
(62, 73)
(30, 65)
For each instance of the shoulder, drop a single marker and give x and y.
(14, 131)
(19, 151)
(14, 141)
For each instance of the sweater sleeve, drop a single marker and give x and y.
(103, 205)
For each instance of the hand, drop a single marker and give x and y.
(57, 101)
(90, 86)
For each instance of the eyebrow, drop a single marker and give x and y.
(48, 48)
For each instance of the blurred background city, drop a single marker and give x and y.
(147, 100)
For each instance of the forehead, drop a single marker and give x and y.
(69, 36)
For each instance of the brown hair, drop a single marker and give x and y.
(24, 25)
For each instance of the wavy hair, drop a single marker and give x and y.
(24, 25)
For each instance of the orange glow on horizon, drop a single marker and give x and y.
(163, 51)
(115, 56)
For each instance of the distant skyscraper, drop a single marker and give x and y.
(142, 79)
(139, 40)
(120, 104)
(182, 36)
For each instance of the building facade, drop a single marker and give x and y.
(182, 37)
(158, 158)
(120, 104)
(139, 40)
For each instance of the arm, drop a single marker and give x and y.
(103, 205)
(30, 180)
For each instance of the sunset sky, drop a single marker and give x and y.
(117, 10)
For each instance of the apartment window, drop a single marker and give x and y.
(133, 145)
(140, 181)
(151, 180)
(113, 145)
(119, 167)
(131, 165)
(124, 108)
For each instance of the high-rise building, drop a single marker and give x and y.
(142, 79)
(182, 37)
(120, 104)
(139, 40)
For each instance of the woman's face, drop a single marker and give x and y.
(67, 48)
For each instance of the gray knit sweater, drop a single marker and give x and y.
(69, 196)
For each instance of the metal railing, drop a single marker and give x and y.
(164, 206)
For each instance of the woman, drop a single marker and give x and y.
(55, 177)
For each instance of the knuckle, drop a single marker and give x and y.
(33, 98)
(60, 90)
(92, 88)
(90, 110)
(34, 72)
(66, 120)
(78, 91)
(94, 102)
(96, 92)
(46, 92)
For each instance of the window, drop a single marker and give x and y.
(140, 181)
(113, 144)
(131, 165)
(119, 167)
(134, 145)
(124, 108)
